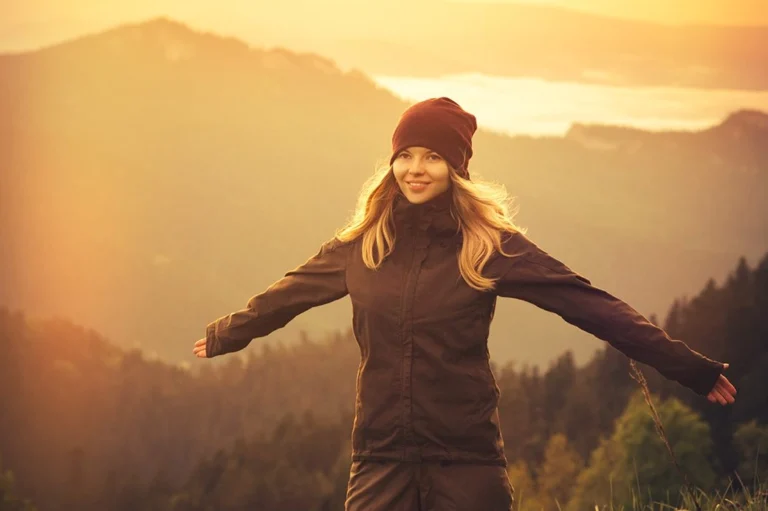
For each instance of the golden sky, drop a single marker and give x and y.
(665, 11)
(718, 12)
(301, 23)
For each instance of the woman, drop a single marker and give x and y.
(423, 261)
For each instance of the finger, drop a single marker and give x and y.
(725, 387)
(198, 349)
(711, 397)
(715, 395)
(201, 354)
(200, 342)
(728, 385)
(720, 398)
(725, 398)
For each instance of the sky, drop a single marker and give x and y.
(715, 12)
(733, 12)
(33, 24)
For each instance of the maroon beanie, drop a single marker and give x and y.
(441, 125)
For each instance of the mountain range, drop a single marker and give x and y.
(438, 37)
(155, 177)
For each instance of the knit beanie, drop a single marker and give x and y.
(441, 125)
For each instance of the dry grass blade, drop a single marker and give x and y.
(639, 378)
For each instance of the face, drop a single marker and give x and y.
(421, 174)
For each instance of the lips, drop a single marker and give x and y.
(417, 186)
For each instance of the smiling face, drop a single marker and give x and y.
(421, 174)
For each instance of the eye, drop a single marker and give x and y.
(431, 156)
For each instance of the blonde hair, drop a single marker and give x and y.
(481, 208)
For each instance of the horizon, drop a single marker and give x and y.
(542, 107)
(534, 106)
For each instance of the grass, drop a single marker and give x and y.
(736, 497)
(693, 498)
(755, 499)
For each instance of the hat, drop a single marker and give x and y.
(441, 125)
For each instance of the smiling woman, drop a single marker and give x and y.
(421, 173)
(423, 260)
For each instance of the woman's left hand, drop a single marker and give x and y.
(723, 392)
(199, 349)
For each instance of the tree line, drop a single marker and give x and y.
(87, 425)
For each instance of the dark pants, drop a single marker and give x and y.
(427, 486)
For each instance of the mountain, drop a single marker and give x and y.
(434, 37)
(156, 177)
(737, 144)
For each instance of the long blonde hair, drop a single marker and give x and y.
(481, 208)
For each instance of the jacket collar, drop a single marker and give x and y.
(433, 216)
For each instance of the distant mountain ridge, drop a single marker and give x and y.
(175, 41)
(156, 177)
(492, 38)
(738, 143)
(740, 121)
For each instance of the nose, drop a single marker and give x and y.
(416, 165)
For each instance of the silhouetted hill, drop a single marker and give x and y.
(156, 177)
(493, 38)
(750, 123)
(170, 41)
(736, 145)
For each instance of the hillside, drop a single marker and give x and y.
(156, 177)
(439, 37)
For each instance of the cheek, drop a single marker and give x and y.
(442, 186)
(441, 171)
(399, 171)
(441, 176)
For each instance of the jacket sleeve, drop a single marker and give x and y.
(531, 274)
(320, 280)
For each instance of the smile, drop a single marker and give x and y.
(415, 186)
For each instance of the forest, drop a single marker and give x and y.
(89, 426)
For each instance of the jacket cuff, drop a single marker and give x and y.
(702, 382)
(212, 347)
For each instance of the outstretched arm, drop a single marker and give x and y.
(320, 280)
(533, 275)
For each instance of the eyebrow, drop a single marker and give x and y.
(427, 151)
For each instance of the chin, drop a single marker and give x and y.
(417, 198)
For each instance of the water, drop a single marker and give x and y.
(539, 107)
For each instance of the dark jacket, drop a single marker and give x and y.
(425, 390)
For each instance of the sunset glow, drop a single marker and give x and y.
(716, 12)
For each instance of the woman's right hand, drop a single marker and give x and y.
(723, 391)
(199, 349)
